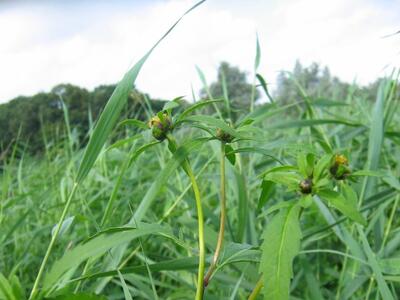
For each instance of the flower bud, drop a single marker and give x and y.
(306, 186)
(160, 126)
(340, 167)
(224, 136)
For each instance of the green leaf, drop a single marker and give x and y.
(217, 123)
(113, 108)
(291, 180)
(258, 54)
(179, 156)
(195, 106)
(243, 204)
(308, 123)
(345, 206)
(6, 291)
(367, 173)
(382, 286)
(173, 103)
(125, 288)
(264, 86)
(230, 154)
(321, 166)
(267, 189)
(135, 123)
(98, 245)
(79, 296)
(281, 245)
(390, 266)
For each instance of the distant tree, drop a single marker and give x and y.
(238, 89)
(317, 82)
(40, 118)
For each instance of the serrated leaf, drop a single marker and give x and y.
(343, 205)
(281, 245)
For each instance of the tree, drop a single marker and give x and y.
(239, 91)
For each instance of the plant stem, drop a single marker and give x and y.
(222, 218)
(200, 219)
(257, 289)
(51, 245)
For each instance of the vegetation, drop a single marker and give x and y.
(226, 198)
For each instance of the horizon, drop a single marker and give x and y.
(50, 43)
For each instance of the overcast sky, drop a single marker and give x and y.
(87, 43)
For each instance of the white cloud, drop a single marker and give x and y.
(89, 45)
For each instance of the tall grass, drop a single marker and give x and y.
(129, 224)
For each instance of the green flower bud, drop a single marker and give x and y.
(160, 127)
(306, 186)
(224, 136)
(340, 167)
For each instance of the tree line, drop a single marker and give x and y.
(37, 121)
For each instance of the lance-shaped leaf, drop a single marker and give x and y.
(345, 206)
(281, 244)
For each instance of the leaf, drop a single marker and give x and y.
(127, 294)
(264, 86)
(243, 204)
(291, 180)
(321, 166)
(98, 245)
(230, 154)
(64, 226)
(258, 54)
(217, 123)
(135, 123)
(382, 286)
(278, 169)
(367, 173)
(173, 103)
(343, 205)
(79, 296)
(390, 266)
(281, 245)
(195, 106)
(267, 189)
(308, 123)
(113, 108)
(179, 156)
(6, 291)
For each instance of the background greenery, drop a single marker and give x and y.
(42, 143)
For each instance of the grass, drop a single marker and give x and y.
(283, 214)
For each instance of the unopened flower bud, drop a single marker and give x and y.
(340, 167)
(160, 127)
(306, 186)
(224, 136)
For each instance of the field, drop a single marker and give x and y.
(291, 200)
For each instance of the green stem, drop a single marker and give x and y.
(257, 289)
(51, 245)
(222, 218)
(200, 219)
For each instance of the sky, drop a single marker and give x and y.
(88, 43)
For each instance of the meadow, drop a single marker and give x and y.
(294, 200)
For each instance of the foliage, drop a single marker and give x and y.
(311, 198)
